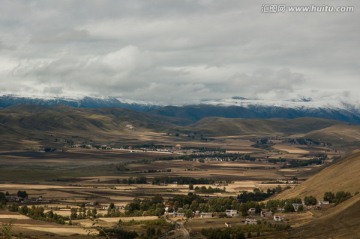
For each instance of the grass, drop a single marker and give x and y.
(342, 221)
(81, 175)
(341, 176)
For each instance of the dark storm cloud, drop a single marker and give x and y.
(176, 51)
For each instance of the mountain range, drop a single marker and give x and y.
(236, 107)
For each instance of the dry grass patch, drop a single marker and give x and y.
(59, 230)
(290, 149)
(13, 216)
(127, 219)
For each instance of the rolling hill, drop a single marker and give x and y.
(45, 124)
(215, 126)
(342, 175)
(339, 134)
(341, 221)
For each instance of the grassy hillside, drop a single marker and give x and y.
(225, 126)
(45, 125)
(341, 221)
(341, 176)
(340, 134)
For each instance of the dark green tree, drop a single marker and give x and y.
(22, 194)
(310, 200)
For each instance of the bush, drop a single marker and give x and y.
(329, 196)
(310, 200)
(22, 194)
(337, 198)
(342, 196)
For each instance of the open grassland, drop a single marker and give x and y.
(340, 135)
(290, 149)
(76, 176)
(65, 165)
(341, 176)
(342, 221)
(40, 229)
(80, 163)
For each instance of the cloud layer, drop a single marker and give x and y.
(175, 52)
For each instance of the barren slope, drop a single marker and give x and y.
(341, 176)
(341, 221)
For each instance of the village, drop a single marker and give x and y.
(225, 212)
(228, 183)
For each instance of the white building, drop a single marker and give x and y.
(252, 211)
(250, 221)
(278, 218)
(231, 213)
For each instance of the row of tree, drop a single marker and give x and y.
(336, 198)
(218, 155)
(258, 195)
(38, 213)
(209, 189)
(182, 180)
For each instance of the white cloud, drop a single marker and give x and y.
(176, 51)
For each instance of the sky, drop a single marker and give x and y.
(179, 51)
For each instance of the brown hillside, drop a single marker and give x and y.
(52, 126)
(340, 134)
(341, 176)
(215, 126)
(342, 221)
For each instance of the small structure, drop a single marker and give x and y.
(296, 206)
(129, 126)
(13, 198)
(206, 215)
(175, 214)
(324, 203)
(278, 218)
(180, 214)
(264, 213)
(197, 213)
(231, 213)
(250, 221)
(280, 209)
(104, 146)
(252, 211)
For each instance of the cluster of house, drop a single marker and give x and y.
(26, 200)
(229, 213)
(89, 146)
(265, 213)
(181, 214)
(318, 206)
(107, 207)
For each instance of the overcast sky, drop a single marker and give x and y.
(178, 51)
